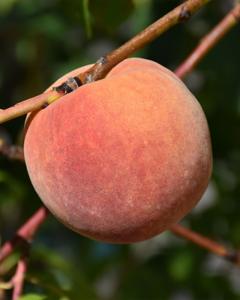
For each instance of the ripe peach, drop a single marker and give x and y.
(123, 158)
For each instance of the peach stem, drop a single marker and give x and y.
(26, 106)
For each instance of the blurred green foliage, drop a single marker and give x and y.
(43, 39)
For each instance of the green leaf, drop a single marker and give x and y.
(33, 297)
(58, 277)
(6, 285)
(87, 18)
(6, 5)
(110, 15)
(181, 266)
(8, 263)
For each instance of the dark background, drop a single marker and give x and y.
(43, 39)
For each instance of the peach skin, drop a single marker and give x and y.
(123, 158)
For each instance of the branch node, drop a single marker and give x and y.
(233, 256)
(89, 78)
(69, 85)
(44, 105)
(236, 14)
(184, 15)
(102, 61)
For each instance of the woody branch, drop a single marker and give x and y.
(105, 64)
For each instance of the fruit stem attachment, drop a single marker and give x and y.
(68, 86)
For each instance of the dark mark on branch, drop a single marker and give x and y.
(102, 60)
(78, 81)
(63, 88)
(69, 86)
(185, 14)
(44, 105)
(236, 16)
(233, 257)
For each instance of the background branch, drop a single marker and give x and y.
(209, 41)
(12, 152)
(25, 233)
(18, 278)
(206, 243)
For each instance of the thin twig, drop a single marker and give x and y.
(206, 243)
(105, 64)
(26, 106)
(25, 233)
(209, 41)
(12, 152)
(18, 278)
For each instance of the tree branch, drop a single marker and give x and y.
(209, 41)
(206, 243)
(105, 64)
(179, 14)
(18, 278)
(12, 152)
(26, 106)
(25, 233)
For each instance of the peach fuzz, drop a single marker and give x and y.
(121, 159)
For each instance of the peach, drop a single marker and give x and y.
(121, 159)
